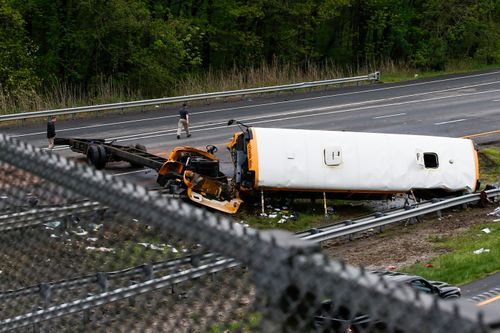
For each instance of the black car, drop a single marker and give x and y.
(438, 288)
(330, 318)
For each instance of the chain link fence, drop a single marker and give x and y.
(82, 251)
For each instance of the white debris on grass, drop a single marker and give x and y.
(173, 249)
(495, 213)
(80, 232)
(99, 249)
(243, 224)
(53, 224)
(486, 230)
(159, 247)
(481, 250)
(92, 239)
(94, 227)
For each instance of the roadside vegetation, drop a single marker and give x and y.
(489, 160)
(460, 264)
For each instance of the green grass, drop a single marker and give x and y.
(396, 73)
(462, 265)
(248, 324)
(489, 162)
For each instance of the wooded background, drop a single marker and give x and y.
(148, 46)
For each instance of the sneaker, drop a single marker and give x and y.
(188, 135)
(178, 137)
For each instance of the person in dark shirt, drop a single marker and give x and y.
(51, 131)
(183, 121)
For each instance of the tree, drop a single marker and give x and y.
(17, 76)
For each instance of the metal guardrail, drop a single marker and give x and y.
(166, 100)
(322, 235)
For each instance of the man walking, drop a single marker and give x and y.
(51, 131)
(183, 121)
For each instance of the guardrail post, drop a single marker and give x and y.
(131, 300)
(45, 293)
(37, 327)
(102, 280)
(439, 213)
(86, 313)
(382, 227)
(149, 271)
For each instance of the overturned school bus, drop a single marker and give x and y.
(294, 162)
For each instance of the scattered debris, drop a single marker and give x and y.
(80, 232)
(429, 265)
(52, 225)
(481, 250)
(173, 249)
(94, 227)
(99, 249)
(495, 213)
(150, 246)
(486, 230)
(92, 239)
(391, 267)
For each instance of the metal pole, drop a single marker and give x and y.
(262, 202)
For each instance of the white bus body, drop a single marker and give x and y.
(338, 161)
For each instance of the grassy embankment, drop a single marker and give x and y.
(461, 265)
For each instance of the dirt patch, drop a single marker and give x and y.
(404, 244)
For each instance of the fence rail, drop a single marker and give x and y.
(167, 100)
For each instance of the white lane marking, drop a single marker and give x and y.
(496, 100)
(293, 101)
(450, 122)
(390, 115)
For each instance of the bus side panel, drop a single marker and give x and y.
(369, 162)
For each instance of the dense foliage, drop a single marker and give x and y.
(147, 45)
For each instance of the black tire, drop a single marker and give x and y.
(103, 158)
(96, 155)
